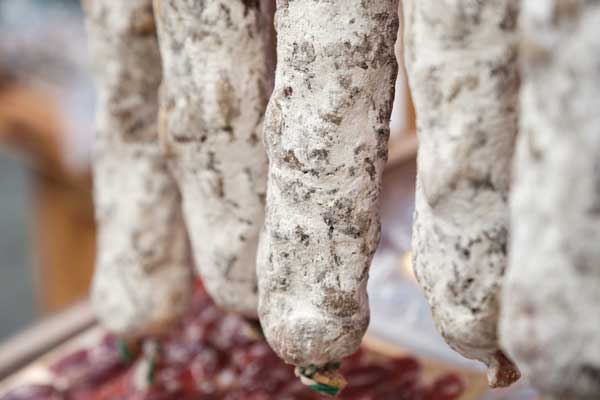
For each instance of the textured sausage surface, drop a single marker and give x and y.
(326, 132)
(143, 276)
(213, 99)
(551, 298)
(462, 66)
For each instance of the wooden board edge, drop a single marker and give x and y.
(39, 339)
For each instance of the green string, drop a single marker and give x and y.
(325, 389)
(151, 371)
(309, 373)
(125, 353)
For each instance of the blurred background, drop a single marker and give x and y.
(46, 114)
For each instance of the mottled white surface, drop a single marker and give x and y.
(143, 277)
(213, 98)
(551, 300)
(326, 132)
(462, 66)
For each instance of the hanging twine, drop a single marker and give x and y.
(326, 380)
